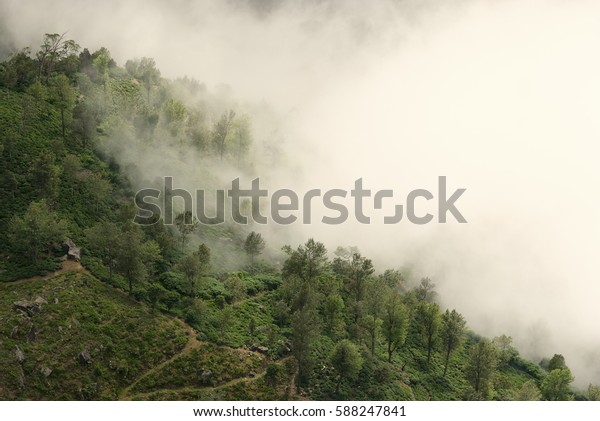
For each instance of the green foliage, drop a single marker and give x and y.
(451, 333)
(556, 362)
(59, 110)
(254, 245)
(123, 338)
(556, 385)
(37, 233)
(395, 323)
(346, 360)
(528, 392)
(483, 360)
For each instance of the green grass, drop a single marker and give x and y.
(123, 337)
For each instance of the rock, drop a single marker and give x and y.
(30, 307)
(73, 252)
(46, 371)
(32, 334)
(85, 357)
(19, 354)
(206, 376)
(261, 349)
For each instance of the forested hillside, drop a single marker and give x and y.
(192, 311)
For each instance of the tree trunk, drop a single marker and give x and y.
(447, 359)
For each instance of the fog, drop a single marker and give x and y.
(501, 97)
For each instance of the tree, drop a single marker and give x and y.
(186, 224)
(54, 49)
(333, 310)
(593, 392)
(527, 392)
(46, 174)
(393, 279)
(254, 245)
(371, 326)
(395, 323)
(505, 349)
(135, 256)
(355, 272)
(221, 130)
(98, 188)
(84, 123)
(428, 320)
(305, 330)
(557, 361)
(480, 367)
(104, 240)
(235, 286)
(19, 71)
(195, 265)
(37, 232)
(307, 262)
(451, 331)
(242, 136)
(425, 290)
(144, 70)
(63, 95)
(346, 360)
(556, 385)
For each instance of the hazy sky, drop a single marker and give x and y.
(502, 97)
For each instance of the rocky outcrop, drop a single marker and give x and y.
(84, 357)
(30, 307)
(73, 252)
(19, 354)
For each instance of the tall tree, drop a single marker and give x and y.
(305, 330)
(527, 392)
(195, 265)
(37, 232)
(254, 245)
(104, 239)
(307, 262)
(46, 174)
(451, 332)
(395, 323)
(481, 366)
(63, 95)
(333, 310)
(428, 320)
(54, 49)
(346, 360)
(556, 385)
(221, 131)
(371, 325)
(426, 290)
(505, 349)
(186, 224)
(355, 271)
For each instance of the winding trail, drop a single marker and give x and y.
(66, 266)
(192, 344)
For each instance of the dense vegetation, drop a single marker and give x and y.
(316, 326)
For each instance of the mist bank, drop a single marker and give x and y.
(502, 98)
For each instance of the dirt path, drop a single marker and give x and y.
(66, 266)
(192, 343)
